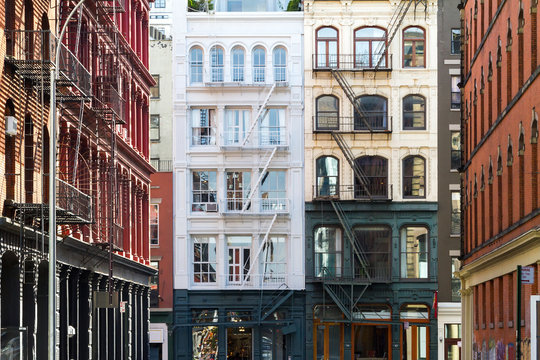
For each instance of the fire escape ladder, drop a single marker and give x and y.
(262, 109)
(78, 142)
(342, 297)
(358, 251)
(395, 23)
(358, 172)
(259, 250)
(342, 81)
(259, 180)
(277, 299)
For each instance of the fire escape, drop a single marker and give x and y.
(90, 109)
(347, 288)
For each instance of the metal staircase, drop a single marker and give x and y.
(358, 108)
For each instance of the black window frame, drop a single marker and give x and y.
(360, 125)
(375, 188)
(330, 113)
(423, 112)
(455, 43)
(405, 178)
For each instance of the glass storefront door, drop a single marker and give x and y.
(240, 343)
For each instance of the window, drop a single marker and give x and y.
(376, 241)
(274, 191)
(414, 112)
(154, 128)
(455, 150)
(375, 111)
(369, 47)
(414, 47)
(415, 337)
(204, 191)
(204, 259)
(280, 64)
(455, 48)
(414, 252)
(327, 176)
(154, 90)
(238, 188)
(272, 128)
(274, 260)
(455, 102)
(375, 170)
(216, 63)
(327, 48)
(414, 169)
(239, 249)
(154, 285)
(456, 282)
(204, 341)
(154, 224)
(455, 227)
(203, 131)
(159, 4)
(196, 65)
(259, 65)
(328, 252)
(238, 61)
(246, 5)
(327, 115)
(236, 125)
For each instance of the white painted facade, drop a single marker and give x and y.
(394, 85)
(218, 150)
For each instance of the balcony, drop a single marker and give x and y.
(162, 165)
(32, 53)
(109, 104)
(260, 206)
(112, 6)
(72, 205)
(258, 281)
(378, 122)
(378, 191)
(356, 62)
(379, 272)
(267, 138)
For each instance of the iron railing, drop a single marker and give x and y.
(162, 165)
(379, 122)
(379, 272)
(32, 52)
(378, 191)
(72, 202)
(256, 206)
(110, 101)
(263, 138)
(354, 62)
(258, 281)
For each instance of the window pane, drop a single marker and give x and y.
(238, 64)
(413, 177)
(375, 169)
(455, 143)
(327, 32)
(204, 259)
(456, 41)
(455, 228)
(414, 33)
(370, 32)
(328, 252)
(203, 127)
(414, 252)
(196, 65)
(375, 110)
(327, 113)
(154, 90)
(376, 241)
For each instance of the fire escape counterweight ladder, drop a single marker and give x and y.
(262, 109)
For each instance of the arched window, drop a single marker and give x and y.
(375, 169)
(327, 116)
(327, 49)
(376, 241)
(414, 40)
(414, 181)
(327, 182)
(280, 64)
(196, 65)
(414, 112)
(216, 63)
(328, 252)
(375, 109)
(238, 61)
(414, 252)
(369, 47)
(259, 65)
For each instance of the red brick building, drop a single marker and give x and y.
(103, 177)
(500, 169)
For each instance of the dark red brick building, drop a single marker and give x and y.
(500, 168)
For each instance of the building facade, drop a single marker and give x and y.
(449, 162)
(238, 175)
(500, 186)
(161, 193)
(103, 176)
(371, 179)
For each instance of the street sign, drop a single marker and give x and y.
(527, 275)
(123, 306)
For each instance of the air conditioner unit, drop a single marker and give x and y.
(11, 125)
(211, 207)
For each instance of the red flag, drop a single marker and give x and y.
(435, 304)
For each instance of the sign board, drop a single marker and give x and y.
(527, 275)
(123, 306)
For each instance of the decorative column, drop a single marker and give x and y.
(29, 293)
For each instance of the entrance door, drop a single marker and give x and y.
(452, 349)
(329, 342)
(239, 343)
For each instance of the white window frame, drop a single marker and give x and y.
(235, 126)
(210, 129)
(273, 134)
(236, 202)
(204, 239)
(217, 63)
(270, 202)
(278, 277)
(155, 224)
(280, 69)
(238, 72)
(259, 65)
(203, 205)
(196, 66)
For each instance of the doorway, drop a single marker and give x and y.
(240, 343)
